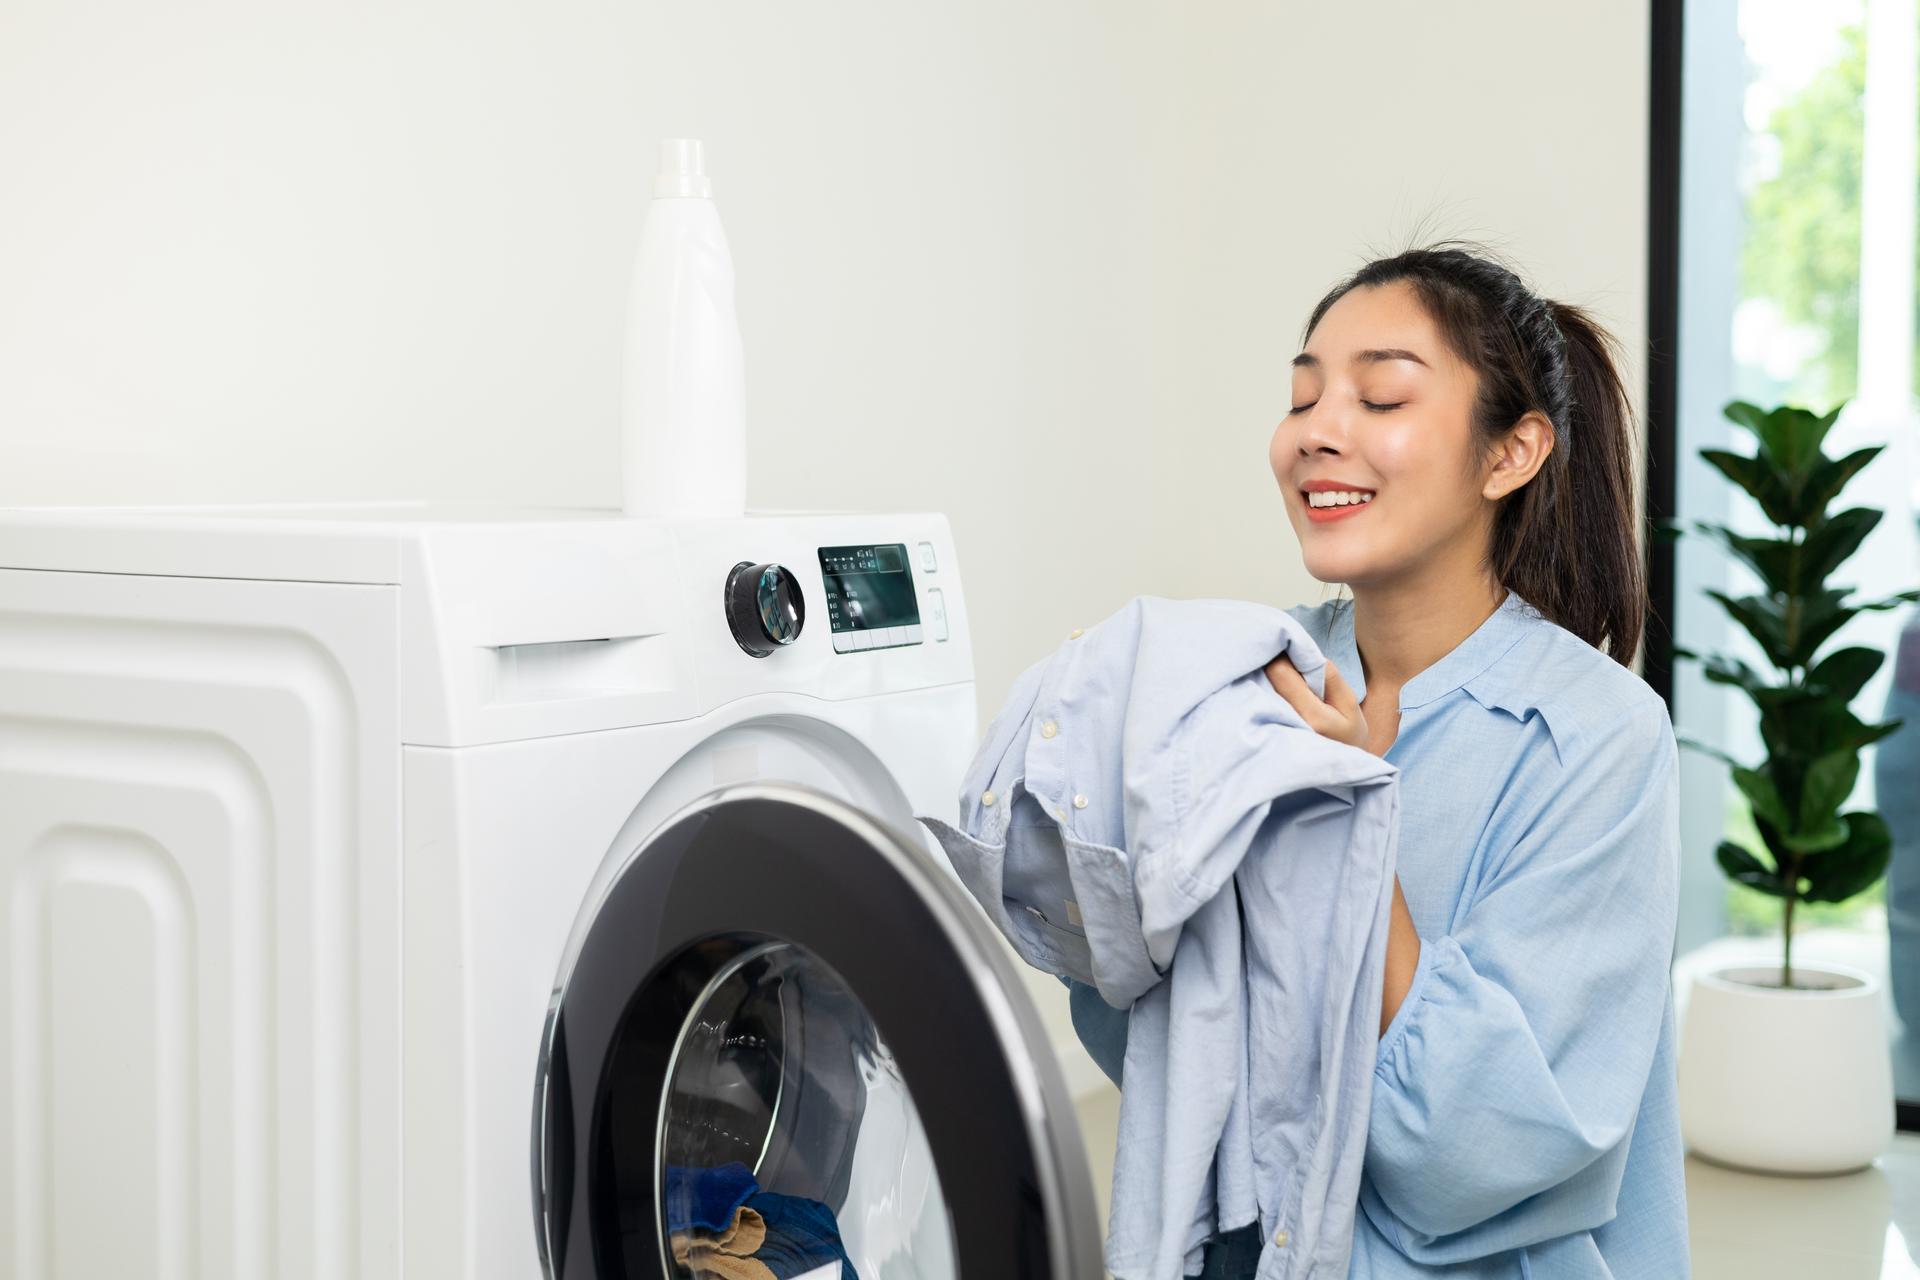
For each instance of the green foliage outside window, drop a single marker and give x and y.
(1802, 244)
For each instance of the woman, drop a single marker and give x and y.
(1477, 446)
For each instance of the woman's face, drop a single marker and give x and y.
(1382, 406)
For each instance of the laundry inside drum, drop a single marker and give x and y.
(788, 1143)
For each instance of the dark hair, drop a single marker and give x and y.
(1565, 542)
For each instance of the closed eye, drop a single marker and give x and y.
(1377, 408)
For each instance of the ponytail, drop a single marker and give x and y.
(1568, 546)
(1566, 542)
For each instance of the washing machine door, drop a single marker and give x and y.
(788, 1045)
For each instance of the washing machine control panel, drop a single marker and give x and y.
(870, 597)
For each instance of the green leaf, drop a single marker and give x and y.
(1829, 478)
(1844, 672)
(1808, 728)
(1759, 790)
(1826, 836)
(1764, 620)
(1829, 543)
(1887, 602)
(1747, 414)
(1758, 479)
(1747, 869)
(1734, 672)
(1707, 749)
(1852, 866)
(1820, 614)
(1770, 558)
(1790, 439)
(1828, 783)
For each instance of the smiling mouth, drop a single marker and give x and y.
(1330, 499)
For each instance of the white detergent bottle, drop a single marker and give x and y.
(684, 436)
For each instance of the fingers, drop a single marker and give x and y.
(1291, 685)
(1340, 694)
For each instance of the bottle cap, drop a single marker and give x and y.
(683, 170)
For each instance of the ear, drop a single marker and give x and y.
(1519, 455)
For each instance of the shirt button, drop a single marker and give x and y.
(1048, 729)
(986, 797)
(1280, 1237)
(1079, 802)
(1077, 633)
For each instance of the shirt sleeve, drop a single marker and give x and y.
(1507, 1083)
(1101, 1027)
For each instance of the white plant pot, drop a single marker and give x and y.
(1786, 1081)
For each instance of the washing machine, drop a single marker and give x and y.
(421, 890)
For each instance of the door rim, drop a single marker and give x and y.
(1059, 1163)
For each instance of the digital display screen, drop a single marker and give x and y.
(870, 598)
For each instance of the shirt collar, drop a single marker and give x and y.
(1486, 645)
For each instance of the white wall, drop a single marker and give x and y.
(1040, 266)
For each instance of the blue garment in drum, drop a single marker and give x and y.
(801, 1236)
(706, 1198)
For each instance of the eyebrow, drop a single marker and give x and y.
(1375, 356)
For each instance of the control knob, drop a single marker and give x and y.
(764, 607)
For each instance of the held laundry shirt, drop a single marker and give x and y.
(1523, 1119)
(1148, 815)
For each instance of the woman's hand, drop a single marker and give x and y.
(1338, 717)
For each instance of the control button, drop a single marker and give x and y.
(927, 561)
(862, 641)
(937, 612)
(914, 634)
(842, 642)
(891, 637)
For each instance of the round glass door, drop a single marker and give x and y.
(787, 1044)
(789, 1144)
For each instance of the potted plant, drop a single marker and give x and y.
(1755, 1037)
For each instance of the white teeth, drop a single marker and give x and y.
(1338, 498)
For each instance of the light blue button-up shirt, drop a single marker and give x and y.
(1523, 1118)
(1147, 815)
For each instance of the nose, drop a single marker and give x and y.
(1324, 430)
